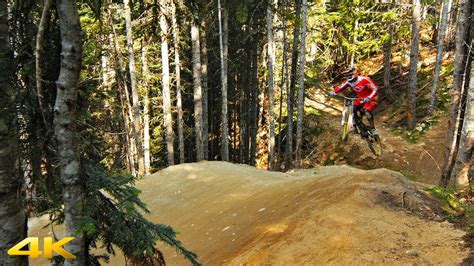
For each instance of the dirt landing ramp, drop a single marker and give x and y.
(236, 214)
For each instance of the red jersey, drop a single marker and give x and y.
(364, 87)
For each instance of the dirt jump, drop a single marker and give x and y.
(235, 214)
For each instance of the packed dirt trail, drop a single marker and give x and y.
(236, 214)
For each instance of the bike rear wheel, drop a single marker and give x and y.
(375, 144)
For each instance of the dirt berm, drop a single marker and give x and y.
(236, 214)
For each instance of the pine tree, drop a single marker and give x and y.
(196, 47)
(45, 18)
(271, 82)
(387, 55)
(146, 107)
(137, 132)
(65, 128)
(414, 53)
(12, 218)
(291, 95)
(439, 55)
(205, 89)
(301, 91)
(179, 101)
(464, 157)
(223, 60)
(168, 118)
(457, 95)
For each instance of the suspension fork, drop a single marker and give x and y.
(348, 116)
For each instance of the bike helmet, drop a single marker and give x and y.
(353, 75)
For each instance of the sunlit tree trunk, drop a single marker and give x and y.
(196, 53)
(205, 88)
(301, 91)
(414, 53)
(223, 59)
(146, 107)
(455, 114)
(291, 95)
(179, 101)
(439, 55)
(165, 78)
(12, 218)
(122, 90)
(65, 128)
(137, 132)
(127, 113)
(271, 83)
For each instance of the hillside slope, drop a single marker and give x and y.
(235, 214)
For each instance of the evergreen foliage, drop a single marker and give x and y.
(114, 218)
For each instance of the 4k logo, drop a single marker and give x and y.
(48, 248)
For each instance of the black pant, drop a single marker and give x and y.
(360, 112)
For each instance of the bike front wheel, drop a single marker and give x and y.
(375, 144)
(345, 130)
(346, 126)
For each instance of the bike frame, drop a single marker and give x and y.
(350, 120)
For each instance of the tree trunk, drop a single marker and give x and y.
(414, 53)
(301, 91)
(452, 24)
(271, 104)
(254, 107)
(65, 127)
(45, 18)
(291, 95)
(12, 218)
(224, 93)
(439, 55)
(223, 58)
(123, 93)
(454, 122)
(146, 107)
(354, 37)
(205, 88)
(387, 55)
(243, 110)
(197, 89)
(252, 114)
(464, 157)
(179, 101)
(133, 84)
(165, 77)
(284, 82)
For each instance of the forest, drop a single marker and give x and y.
(95, 95)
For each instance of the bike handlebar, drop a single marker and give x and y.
(343, 97)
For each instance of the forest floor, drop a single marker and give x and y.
(236, 214)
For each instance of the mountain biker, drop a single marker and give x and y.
(367, 94)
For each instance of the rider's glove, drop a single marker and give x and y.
(365, 100)
(332, 93)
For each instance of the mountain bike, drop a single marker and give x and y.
(351, 119)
